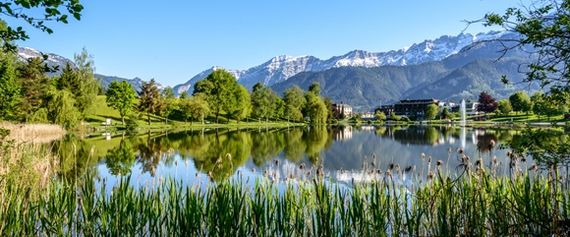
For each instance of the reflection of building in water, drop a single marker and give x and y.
(418, 135)
(343, 134)
(367, 128)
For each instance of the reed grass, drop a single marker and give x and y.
(33, 133)
(471, 205)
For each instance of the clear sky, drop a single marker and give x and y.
(173, 40)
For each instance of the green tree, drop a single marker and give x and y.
(169, 102)
(294, 99)
(544, 28)
(521, 102)
(120, 159)
(395, 117)
(432, 111)
(315, 108)
(35, 13)
(380, 116)
(87, 86)
(195, 108)
(315, 88)
(505, 107)
(122, 97)
(242, 108)
(9, 87)
(184, 95)
(446, 114)
(219, 89)
(263, 101)
(35, 91)
(293, 113)
(150, 101)
(543, 105)
(62, 110)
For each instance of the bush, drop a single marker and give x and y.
(40, 116)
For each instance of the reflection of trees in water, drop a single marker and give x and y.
(216, 152)
(486, 142)
(548, 147)
(150, 151)
(267, 145)
(121, 159)
(76, 157)
(417, 135)
(316, 139)
(294, 145)
(224, 154)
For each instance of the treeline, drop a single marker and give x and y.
(556, 102)
(28, 94)
(223, 98)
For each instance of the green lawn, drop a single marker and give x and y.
(100, 112)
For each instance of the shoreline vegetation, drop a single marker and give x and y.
(475, 203)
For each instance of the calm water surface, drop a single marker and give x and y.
(343, 154)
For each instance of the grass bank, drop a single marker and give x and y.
(33, 133)
(475, 204)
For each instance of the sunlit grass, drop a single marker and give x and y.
(472, 205)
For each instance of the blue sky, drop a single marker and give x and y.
(173, 40)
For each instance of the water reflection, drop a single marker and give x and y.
(337, 151)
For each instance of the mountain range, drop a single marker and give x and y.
(447, 68)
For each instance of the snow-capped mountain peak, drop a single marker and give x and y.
(280, 68)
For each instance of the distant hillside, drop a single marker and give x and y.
(365, 88)
(461, 76)
(106, 81)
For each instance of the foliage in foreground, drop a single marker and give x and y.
(473, 205)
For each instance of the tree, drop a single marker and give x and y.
(315, 88)
(120, 159)
(242, 109)
(184, 95)
(169, 102)
(35, 91)
(35, 13)
(543, 105)
(87, 86)
(395, 117)
(122, 97)
(150, 100)
(293, 113)
(520, 101)
(541, 29)
(505, 107)
(446, 114)
(295, 101)
(431, 111)
(62, 110)
(380, 116)
(219, 90)
(315, 108)
(195, 108)
(9, 87)
(487, 103)
(262, 101)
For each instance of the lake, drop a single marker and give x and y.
(344, 154)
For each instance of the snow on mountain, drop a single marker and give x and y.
(53, 60)
(59, 62)
(283, 67)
